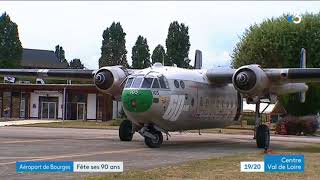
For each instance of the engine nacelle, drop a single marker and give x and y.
(110, 80)
(250, 80)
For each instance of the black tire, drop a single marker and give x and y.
(263, 136)
(125, 130)
(154, 143)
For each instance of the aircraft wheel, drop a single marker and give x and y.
(154, 143)
(263, 136)
(125, 130)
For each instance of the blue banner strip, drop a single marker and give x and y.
(284, 163)
(44, 166)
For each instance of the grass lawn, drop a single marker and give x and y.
(226, 168)
(78, 124)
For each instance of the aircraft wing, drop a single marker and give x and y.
(109, 80)
(50, 73)
(255, 82)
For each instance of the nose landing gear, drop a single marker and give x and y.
(125, 130)
(152, 137)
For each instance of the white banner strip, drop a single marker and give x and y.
(97, 166)
(252, 166)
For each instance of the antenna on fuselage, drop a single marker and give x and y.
(198, 60)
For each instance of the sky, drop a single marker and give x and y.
(214, 27)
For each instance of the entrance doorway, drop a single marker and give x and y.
(81, 111)
(48, 110)
(48, 107)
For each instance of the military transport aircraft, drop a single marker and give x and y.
(161, 99)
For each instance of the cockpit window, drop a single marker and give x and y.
(129, 82)
(163, 83)
(137, 81)
(155, 83)
(147, 82)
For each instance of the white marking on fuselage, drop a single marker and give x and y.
(179, 109)
(170, 106)
(175, 107)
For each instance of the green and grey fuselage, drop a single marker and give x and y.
(175, 99)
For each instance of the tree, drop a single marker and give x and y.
(10, 45)
(140, 54)
(60, 54)
(277, 43)
(113, 49)
(76, 64)
(158, 54)
(178, 45)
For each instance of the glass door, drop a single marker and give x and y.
(52, 110)
(48, 110)
(81, 107)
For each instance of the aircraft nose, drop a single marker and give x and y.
(135, 100)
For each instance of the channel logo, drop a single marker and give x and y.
(294, 18)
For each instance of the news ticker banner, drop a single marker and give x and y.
(68, 166)
(275, 163)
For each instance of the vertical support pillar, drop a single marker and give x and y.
(64, 104)
(257, 115)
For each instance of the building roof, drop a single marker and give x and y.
(36, 58)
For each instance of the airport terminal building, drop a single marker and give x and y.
(27, 100)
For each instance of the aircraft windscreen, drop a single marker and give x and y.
(137, 81)
(129, 82)
(155, 83)
(147, 83)
(163, 83)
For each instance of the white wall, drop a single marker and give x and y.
(34, 99)
(92, 106)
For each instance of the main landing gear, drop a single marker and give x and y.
(152, 137)
(125, 130)
(262, 133)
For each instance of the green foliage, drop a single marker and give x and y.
(10, 45)
(113, 50)
(178, 45)
(276, 43)
(60, 54)
(76, 64)
(311, 106)
(140, 54)
(158, 54)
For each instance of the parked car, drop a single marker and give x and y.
(292, 125)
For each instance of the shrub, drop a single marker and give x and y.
(293, 125)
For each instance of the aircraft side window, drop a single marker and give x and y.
(136, 83)
(155, 83)
(129, 82)
(176, 83)
(182, 84)
(147, 82)
(163, 84)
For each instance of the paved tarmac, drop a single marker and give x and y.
(67, 144)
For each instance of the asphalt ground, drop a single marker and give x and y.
(68, 144)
